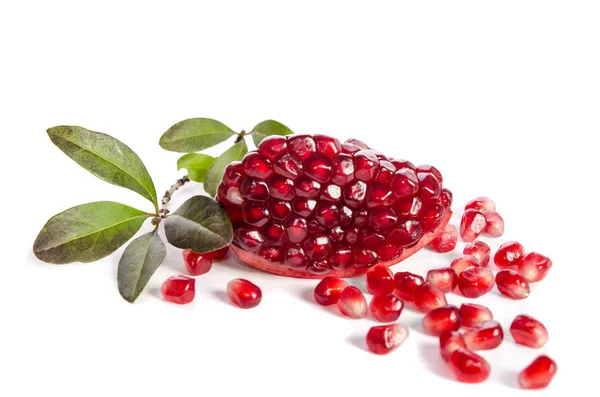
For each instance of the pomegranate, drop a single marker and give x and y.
(528, 331)
(485, 336)
(328, 291)
(479, 250)
(179, 289)
(512, 285)
(243, 293)
(444, 279)
(352, 303)
(534, 266)
(481, 204)
(450, 341)
(509, 254)
(446, 240)
(475, 281)
(406, 283)
(473, 314)
(386, 308)
(538, 374)
(383, 339)
(468, 367)
(445, 318)
(494, 224)
(472, 225)
(380, 280)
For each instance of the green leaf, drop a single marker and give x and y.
(197, 165)
(268, 127)
(140, 260)
(87, 232)
(216, 170)
(193, 135)
(200, 224)
(106, 157)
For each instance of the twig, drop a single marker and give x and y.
(163, 212)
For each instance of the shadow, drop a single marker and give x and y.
(358, 341)
(430, 356)
(416, 325)
(155, 292)
(221, 296)
(509, 379)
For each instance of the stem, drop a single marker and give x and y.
(164, 212)
(240, 137)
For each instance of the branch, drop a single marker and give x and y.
(164, 212)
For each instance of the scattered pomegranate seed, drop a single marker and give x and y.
(450, 341)
(383, 339)
(538, 374)
(463, 263)
(475, 281)
(380, 280)
(243, 293)
(406, 283)
(196, 264)
(495, 224)
(509, 254)
(352, 303)
(485, 336)
(480, 250)
(473, 314)
(512, 284)
(481, 204)
(472, 225)
(445, 241)
(426, 298)
(386, 308)
(528, 331)
(469, 367)
(534, 266)
(444, 279)
(179, 289)
(329, 289)
(445, 318)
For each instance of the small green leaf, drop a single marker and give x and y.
(216, 170)
(193, 135)
(268, 127)
(87, 232)
(140, 260)
(200, 224)
(197, 165)
(106, 157)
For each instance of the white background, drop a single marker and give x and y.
(503, 97)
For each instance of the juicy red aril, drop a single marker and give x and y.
(248, 238)
(426, 298)
(366, 164)
(388, 252)
(364, 257)
(450, 341)
(509, 254)
(468, 367)
(354, 194)
(196, 264)
(429, 186)
(271, 253)
(296, 230)
(361, 218)
(328, 291)
(406, 233)
(346, 216)
(273, 146)
(472, 225)
(327, 146)
(317, 247)
(445, 318)
(255, 213)
(473, 314)
(380, 280)
(494, 224)
(538, 374)
(357, 142)
(432, 215)
(534, 266)
(463, 263)
(409, 208)
(234, 173)
(288, 166)
(336, 234)
(342, 169)
(386, 308)
(512, 284)
(179, 289)
(352, 303)
(282, 188)
(370, 239)
(256, 165)
(295, 258)
(475, 282)
(383, 339)
(331, 193)
(485, 336)
(399, 164)
(406, 283)
(306, 187)
(350, 148)
(341, 257)
(302, 146)
(319, 267)
(273, 233)
(382, 219)
(279, 210)
(253, 189)
(379, 195)
(432, 170)
(481, 204)
(528, 331)
(386, 172)
(318, 168)
(446, 197)
(446, 240)
(444, 279)
(243, 293)
(303, 207)
(405, 183)
(479, 250)
(229, 196)
(328, 215)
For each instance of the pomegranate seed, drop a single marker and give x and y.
(495, 224)
(247, 238)
(410, 207)
(432, 215)
(273, 234)
(481, 204)
(366, 165)
(342, 169)
(255, 213)
(383, 339)
(331, 193)
(538, 374)
(386, 172)
(304, 207)
(485, 336)
(253, 189)
(479, 250)
(318, 168)
(406, 283)
(317, 247)
(380, 280)
(354, 194)
(282, 188)
(364, 257)
(382, 219)
(295, 257)
(273, 146)
(432, 170)
(446, 240)
(256, 165)
(288, 166)
(379, 195)
(329, 289)
(296, 230)
(357, 143)
(302, 146)
(280, 210)
(469, 367)
(446, 197)
(234, 173)
(327, 146)
(336, 234)
(509, 254)
(327, 214)
(341, 257)
(406, 233)
(445, 318)
(426, 298)
(534, 266)
(243, 293)
(196, 264)
(528, 331)
(429, 186)
(450, 341)
(386, 308)
(179, 289)
(404, 183)
(475, 282)
(399, 164)
(349, 148)
(463, 263)
(472, 225)
(473, 314)
(512, 284)
(444, 279)
(352, 303)
(387, 252)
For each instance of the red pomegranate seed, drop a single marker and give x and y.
(364, 257)
(319, 267)
(463, 263)
(366, 165)
(386, 308)
(450, 341)
(512, 284)
(288, 166)
(495, 224)
(386, 172)
(302, 146)
(247, 238)
(538, 374)
(472, 225)
(255, 213)
(332, 193)
(349, 148)
(509, 254)
(432, 170)
(271, 253)
(342, 169)
(329, 289)
(380, 280)
(480, 250)
(399, 164)
(469, 367)
(318, 168)
(405, 183)
(196, 264)
(429, 186)
(253, 189)
(354, 194)
(327, 146)
(234, 173)
(528, 331)
(389, 252)
(295, 257)
(256, 165)
(280, 210)
(426, 298)
(446, 240)
(481, 204)
(382, 219)
(357, 143)
(473, 314)
(485, 336)
(446, 197)
(445, 318)
(243, 293)
(179, 289)
(534, 266)
(383, 339)
(444, 279)
(432, 215)
(406, 233)
(475, 282)
(273, 146)
(341, 257)
(282, 188)
(379, 195)
(406, 283)
(352, 303)
(410, 207)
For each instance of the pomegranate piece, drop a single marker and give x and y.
(485, 336)
(463, 263)
(495, 224)
(511, 284)
(509, 254)
(179, 289)
(528, 331)
(446, 240)
(450, 341)
(538, 374)
(444, 279)
(386, 308)
(468, 367)
(481, 204)
(534, 266)
(405, 283)
(445, 318)
(195, 263)
(475, 282)
(426, 298)
(472, 224)
(380, 280)
(329, 289)
(243, 293)
(383, 339)
(473, 314)
(352, 303)
(479, 250)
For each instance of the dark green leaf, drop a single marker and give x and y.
(197, 165)
(200, 224)
(140, 260)
(106, 157)
(87, 232)
(193, 135)
(268, 127)
(215, 172)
